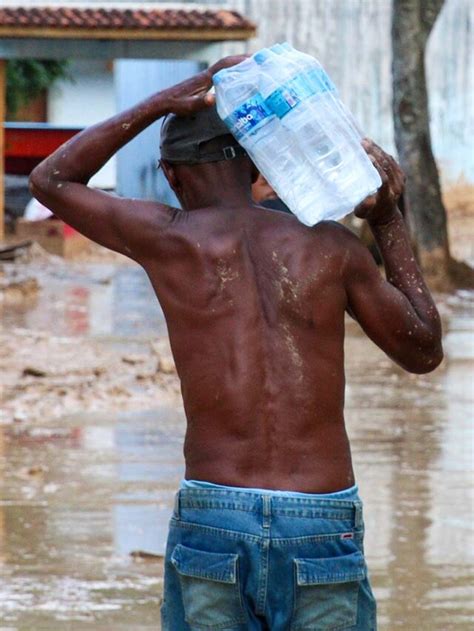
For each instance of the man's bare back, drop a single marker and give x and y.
(254, 300)
(255, 310)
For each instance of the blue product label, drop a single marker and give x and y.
(246, 117)
(320, 82)
(282, 100)
(301, 86)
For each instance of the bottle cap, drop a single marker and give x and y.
(262, 55)
(277, 48)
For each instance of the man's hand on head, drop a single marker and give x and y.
(189, 96)
(192, 95)
(226, 62)
(379, 207)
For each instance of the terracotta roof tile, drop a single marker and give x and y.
(63, 17)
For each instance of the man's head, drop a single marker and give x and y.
(198, 146)
(185, 139)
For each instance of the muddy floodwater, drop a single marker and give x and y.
(85, 496)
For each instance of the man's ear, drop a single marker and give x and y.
(170, 175)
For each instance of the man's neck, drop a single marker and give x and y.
(216, 187)
(219, 200)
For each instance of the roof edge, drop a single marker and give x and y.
(90, 4)
(150, 34)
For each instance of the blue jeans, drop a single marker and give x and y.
(252, 559)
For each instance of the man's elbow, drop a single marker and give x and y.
(37, 182)
(426, 362)
(44, 184)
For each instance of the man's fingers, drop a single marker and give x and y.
(227, 62)
(388, 162)
(381, 171)
(186, 105)
(392, 178)
(386, 165)
(362, 209)
(373, 149)
(396, 177)
(399, 180)
(366, 143)
(201, 101)
(395, 166)
(209, 99)
(395, 174)
(381, 156)
(400, 177)
(374, 152)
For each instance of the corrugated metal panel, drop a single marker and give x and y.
(137, 175)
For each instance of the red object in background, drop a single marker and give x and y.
(68, 231)
(53, 235)
(27, 144)
(77, 310)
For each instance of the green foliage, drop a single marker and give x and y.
(27, 78)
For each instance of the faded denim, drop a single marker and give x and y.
(239, 560)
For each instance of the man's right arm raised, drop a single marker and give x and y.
(126, 225)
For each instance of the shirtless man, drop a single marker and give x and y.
(267, 528)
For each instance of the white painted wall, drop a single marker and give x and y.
(88, 99)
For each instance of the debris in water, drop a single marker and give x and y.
(145, 556)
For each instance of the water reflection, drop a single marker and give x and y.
(99, 301)
(74, 509)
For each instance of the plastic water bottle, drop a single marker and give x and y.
(283, 108)
(320, 83)
(357, 176)
(242, 107)
(289, 96)
(328, 107)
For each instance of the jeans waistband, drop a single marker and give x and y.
(349, 493)
(344, 504)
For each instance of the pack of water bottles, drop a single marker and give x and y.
(285, 111)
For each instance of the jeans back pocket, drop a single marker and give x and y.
(210, 587)
(326, 592)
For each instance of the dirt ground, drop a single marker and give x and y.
(45, 374)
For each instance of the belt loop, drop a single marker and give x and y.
(177, 507)
(358, 516)
(267, 510)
